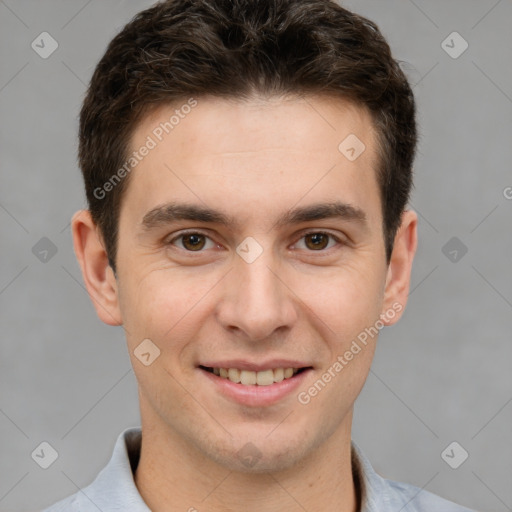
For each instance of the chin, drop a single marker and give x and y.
(261, 462)
(259, 454)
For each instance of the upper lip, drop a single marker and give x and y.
(243, 364)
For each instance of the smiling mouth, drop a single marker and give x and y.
(252, 378)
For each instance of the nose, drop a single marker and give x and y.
(256, 301)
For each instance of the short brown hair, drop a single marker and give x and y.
(233, 49)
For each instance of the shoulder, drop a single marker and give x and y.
(379, 494)
(415, 499)
(68, 504)
(114, 487)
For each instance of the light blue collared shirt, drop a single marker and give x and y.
(114, 488)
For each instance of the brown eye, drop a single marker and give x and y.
(317, 241)
(193, 242)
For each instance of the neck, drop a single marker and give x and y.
(173, 476)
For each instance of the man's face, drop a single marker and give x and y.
(257, 293)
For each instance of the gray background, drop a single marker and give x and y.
(442, 374)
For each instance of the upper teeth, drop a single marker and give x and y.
(250, 378)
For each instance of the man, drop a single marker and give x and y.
(247, 166)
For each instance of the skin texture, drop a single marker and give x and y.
(254, 160)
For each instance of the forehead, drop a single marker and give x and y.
(263, 152)
(252, 124)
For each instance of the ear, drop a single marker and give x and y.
(98, 276)
(399, 269)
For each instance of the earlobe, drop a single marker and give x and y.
(399, 270)
(97, 274)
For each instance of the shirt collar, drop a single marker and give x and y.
(373, 489)
(114, 488)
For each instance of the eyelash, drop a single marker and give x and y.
(303, 235)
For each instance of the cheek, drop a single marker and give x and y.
(348, 316)
(163, 306)
(163, 309)
(347, 300)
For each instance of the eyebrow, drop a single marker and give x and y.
(172, 212)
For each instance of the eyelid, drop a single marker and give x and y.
(338, 239)
(182, 233)
(301, 235)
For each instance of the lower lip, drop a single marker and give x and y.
(256, 396)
